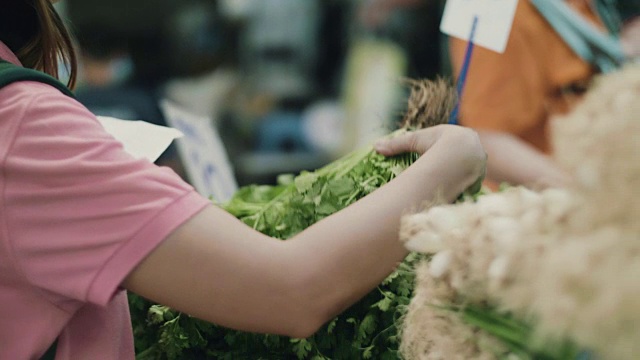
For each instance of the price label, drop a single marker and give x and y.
(494, 21)
(202, 153)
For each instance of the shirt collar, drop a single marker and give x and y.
(8, 55)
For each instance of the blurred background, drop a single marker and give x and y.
(278, 79)
(288, 85)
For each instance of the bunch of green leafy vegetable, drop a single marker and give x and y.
(367, 330)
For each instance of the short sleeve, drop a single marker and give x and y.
(506, 92)
(79, 212)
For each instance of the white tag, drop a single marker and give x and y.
(139, 138)
(202, 153)
(495, 18)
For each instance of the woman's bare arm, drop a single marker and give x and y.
(513, 161)
(216, 268)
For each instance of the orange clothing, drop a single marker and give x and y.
(518, 91)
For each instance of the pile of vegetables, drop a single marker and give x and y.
(366, 330)
(421, 311)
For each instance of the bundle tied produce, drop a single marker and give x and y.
(567, 261)
(367, 330)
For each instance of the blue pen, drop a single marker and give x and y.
(462, 79)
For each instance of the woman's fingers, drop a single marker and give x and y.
(458, 144)
(415, 141)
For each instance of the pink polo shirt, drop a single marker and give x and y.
(77, 214)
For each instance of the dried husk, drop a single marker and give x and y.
(430, 103)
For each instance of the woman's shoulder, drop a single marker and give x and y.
(26, 105)
(26, 91)
(17, 98)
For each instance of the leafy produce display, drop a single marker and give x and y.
(368, 330)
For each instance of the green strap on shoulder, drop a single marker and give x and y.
(51, 352)
(10, 73)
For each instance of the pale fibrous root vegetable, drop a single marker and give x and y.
(569, 259)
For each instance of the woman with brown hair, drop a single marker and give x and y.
(81, 220)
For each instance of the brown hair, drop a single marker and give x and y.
(38, 36)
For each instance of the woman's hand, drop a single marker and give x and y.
(420, 141)
(457, 144)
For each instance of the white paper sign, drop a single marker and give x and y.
(202, 153)
(495, 18)
(139, 138)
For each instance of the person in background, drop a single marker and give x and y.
(373, 13)
(81, 220)
(159, 50)
(414, 25)
(510, 98)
